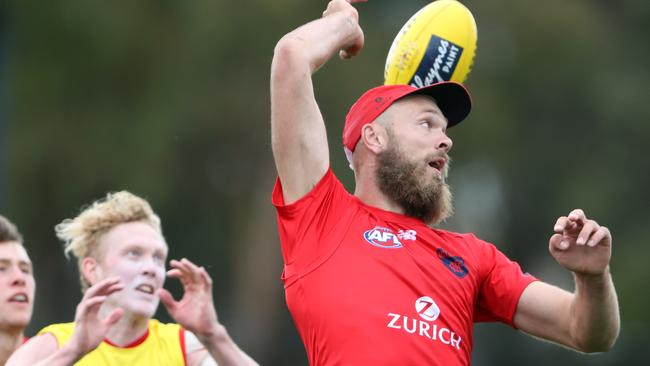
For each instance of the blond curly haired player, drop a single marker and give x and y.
(121, 254)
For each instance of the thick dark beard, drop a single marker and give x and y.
(401, 181)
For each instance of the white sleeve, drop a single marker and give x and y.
(195, 351)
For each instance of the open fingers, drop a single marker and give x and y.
(602, 234)
(180, 271)
(167, 299)
(188, 272)
(563, 224)
(557, 243)
(576, 219)
(104, 287)
(183, 269)
(94, 302)
(89, 307)
(205, 276)
(577, 215)
(577, 225)
(198, 274)
(571, 224)
(589, 227)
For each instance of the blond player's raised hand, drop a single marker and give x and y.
(90, 327)
(195, 310)
(580, 244)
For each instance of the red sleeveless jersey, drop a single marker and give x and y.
(371, 287)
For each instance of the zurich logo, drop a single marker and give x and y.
(382, 237)
(427, 308)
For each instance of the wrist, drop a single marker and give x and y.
(590, 283)
(593, 277)
(70, 353)
(217, 333)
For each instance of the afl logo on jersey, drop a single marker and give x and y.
(382, 237)
(455, 264)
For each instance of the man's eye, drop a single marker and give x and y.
(159, 258)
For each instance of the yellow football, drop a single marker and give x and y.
(437, 44)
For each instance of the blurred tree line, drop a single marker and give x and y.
(170, 99)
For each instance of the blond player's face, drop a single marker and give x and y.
(16, 286)
(136, 253)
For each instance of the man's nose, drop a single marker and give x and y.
(149, 267)
(18, 277)
(444, 143)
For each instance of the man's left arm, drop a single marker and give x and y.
(586, 320)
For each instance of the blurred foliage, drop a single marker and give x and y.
(169, 99)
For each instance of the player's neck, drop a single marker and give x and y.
(369, 193)
(10, 340)
(128, 329)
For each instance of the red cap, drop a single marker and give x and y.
(452, 98)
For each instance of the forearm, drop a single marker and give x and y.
(64, 356)
(595, 321)
(298, 134)
(224, 350)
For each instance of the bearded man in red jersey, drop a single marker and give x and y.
(368, 280)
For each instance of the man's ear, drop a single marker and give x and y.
(90, 270)
(374, 137)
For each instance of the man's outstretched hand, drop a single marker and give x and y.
(581, 245)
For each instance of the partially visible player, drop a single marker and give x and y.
(121, 254)
(17, 287)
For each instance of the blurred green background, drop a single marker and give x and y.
(170, 99)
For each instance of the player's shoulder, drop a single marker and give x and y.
(328, 183)
(468, 238)
(469, 247)
(35, 349)
(59, 330)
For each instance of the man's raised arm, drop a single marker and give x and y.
(298, 134)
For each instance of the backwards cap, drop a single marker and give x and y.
(452, 98)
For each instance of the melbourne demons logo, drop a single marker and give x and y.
(455, 264)
(382, 237)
